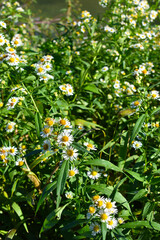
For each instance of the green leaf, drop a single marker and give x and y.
(18, 211)
(108, 191)
(14, 187)
(86, 123)
(141, 193)
(148, 208)
(103, 163)
(47, 190)
(38, 124)
(10, 234)
(40, 159)
(135, 175)
(53, 218)
(104, 231)
(108, 145)
(137, 127)
(62, 177)
(155, 111)
(137, 224)
(92, 88)
(123, 149)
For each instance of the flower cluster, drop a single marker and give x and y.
(103, 210)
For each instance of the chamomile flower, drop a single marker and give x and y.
(12, 151)
(12, 59)
(69, 90)
(95, 228)
(64, 122)
(70, 153)
(154, 94)
(47, 66)
(136, 104)
(105, 69)
(50, 121)
(65, 138)
(90, 146)
(136, 144)
(10, 126)
(10, 50)
(120, 220)
(94, 173)
(72, 172)
(12, 102)
(46, 146)
(100, 202)
(40, 69)
(3, 24)
(110, 206)
(112, 223)
(45, 77)
(2, 40)
(46, 131)
(104, 216)
(69, 195)
(20, 162)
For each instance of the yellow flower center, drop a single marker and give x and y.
(16, 42)
(96, 228)
(71, 173)
(95, 198)
(40, 69)
(70, 152)
(12, 150)
(11, 50)
(92, 210)
(21, 163)
(1, 40)
(110, 222)
(62, 121)
(50, 122)
(154, 95)
(12, 59)
(94, 173)
(3, 157)
(65, 138)
(104, 216)
(45, 146)
(136, 103)
(10, 126)
(90, 145)
(100, 203)
(46, 130)
(108, 205)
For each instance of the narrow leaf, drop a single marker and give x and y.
(103, 163)
(137, 127)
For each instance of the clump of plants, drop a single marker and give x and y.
(79, 120)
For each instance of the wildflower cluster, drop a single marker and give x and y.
(103, 210)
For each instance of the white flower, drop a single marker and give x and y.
(20, 162)
(154, 94)
(65, 138)
(10, 126)
(2, 40)
(12, 151)
(136, 144)
(136, 103)
(3, 24)
(104, 216)
(95, 228)
(104, 69)
(110, 206)
(46, 146)
(90, 146)
(112, 223)
(70, 153)
(12, 102)
(69, 195)
(72, 172)
(46, 131)
(94, 173)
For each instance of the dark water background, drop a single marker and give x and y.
(52, 8)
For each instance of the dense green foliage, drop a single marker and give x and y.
(79, 120)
